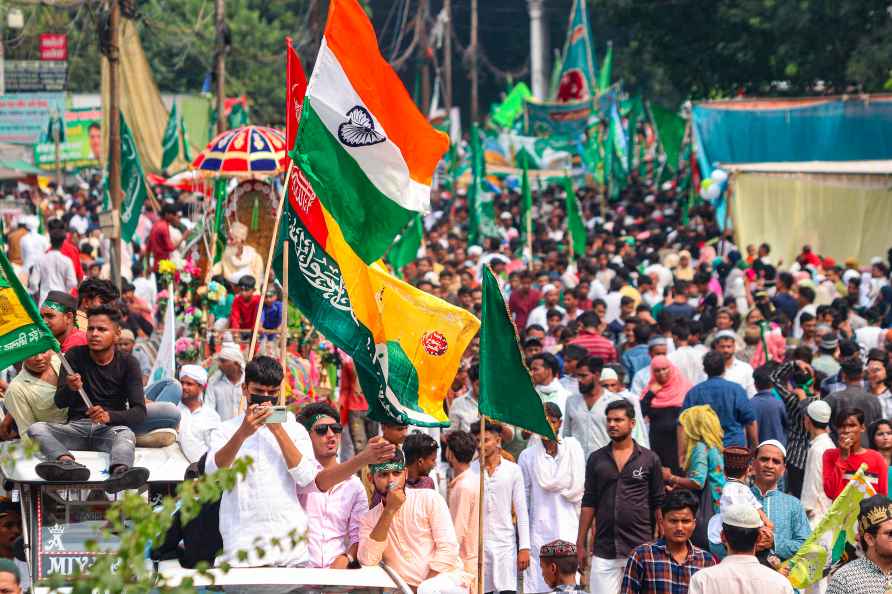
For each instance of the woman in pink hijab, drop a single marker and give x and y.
(661, 402)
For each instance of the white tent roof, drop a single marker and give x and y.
(826, 167)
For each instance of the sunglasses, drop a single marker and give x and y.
(322, 430)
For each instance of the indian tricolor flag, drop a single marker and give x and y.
(364, 157)
(362, 143)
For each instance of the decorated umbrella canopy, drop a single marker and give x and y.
(249, 151)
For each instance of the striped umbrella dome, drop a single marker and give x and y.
(249, 151)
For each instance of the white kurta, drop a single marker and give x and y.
(552, 515)
(500, 550)
(196, 430)
(264, 504)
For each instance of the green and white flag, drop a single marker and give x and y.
(170, 143)
(133, 183)
(23, 333)
(575, 225)
(165, 366)
(187, 152)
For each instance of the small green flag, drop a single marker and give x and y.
(187, 152)
(219, 218)
(170, 142)
(405, 249)
(606, 69)
(526, 204)
(133, 183)
(23, 333)
(574, 220)
(506, 389)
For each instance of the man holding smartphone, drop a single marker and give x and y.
(264, 505)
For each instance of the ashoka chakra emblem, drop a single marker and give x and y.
(434, 343)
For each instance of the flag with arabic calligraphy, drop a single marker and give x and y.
(23, 333)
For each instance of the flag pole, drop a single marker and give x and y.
(284, 336)
(480, 506)
(269, 264)
(71, 371)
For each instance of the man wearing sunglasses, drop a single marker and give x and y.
(263, 505)
(333, 533)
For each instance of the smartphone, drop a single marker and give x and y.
(278, 414)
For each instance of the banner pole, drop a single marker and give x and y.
(284, 336)
(480, 506)
(269, 264)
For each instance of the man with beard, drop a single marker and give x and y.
(869, 574)
(586, 412)
(623, 494)
(553, 475)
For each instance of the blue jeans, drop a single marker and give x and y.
(159, 415)
(58, 440)
(166, 390)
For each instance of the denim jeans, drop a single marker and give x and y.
(58, 440)
(159, 415)
(166, 390)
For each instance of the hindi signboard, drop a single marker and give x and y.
(27, 76)
(54, 47)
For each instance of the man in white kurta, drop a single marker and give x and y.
(554, 480)
(503, 493)
(264, 505)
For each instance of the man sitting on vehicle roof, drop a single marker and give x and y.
(264, 504)
(113, 383)
(30, 395)
(412, 532)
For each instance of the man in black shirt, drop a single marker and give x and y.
(623, 493)
(113, 382)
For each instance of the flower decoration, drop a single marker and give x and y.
(167, 271)
(186, 350)
(193, 318)
(216, 292)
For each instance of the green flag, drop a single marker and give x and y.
(636, 114)
(510, 109)
(219, 218)
(170, 142)
(526, 205)
(670, 129)
(405, 248)
(23, 333)
(575, 226)
(238, 116)
(506, 389)
(481, 210)
(577, 78)
(606, 69)
(133, 183)
(187, 152)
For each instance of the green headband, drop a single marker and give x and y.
(312, 420)
(392, 466)
(57, 306)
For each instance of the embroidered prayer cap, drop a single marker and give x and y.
(874, 511)
(737, 460)
(556, 549)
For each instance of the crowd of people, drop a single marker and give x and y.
(710, 402)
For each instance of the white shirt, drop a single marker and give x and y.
(79, 224)
(554, 392)
(196, 430)
(51, 272)
(552, 515)
(741, 373)
(689, 360)
(503, 493)
(813, 498)
(264, 503)
(145, 289)
(223, 396)
(539, 315)
(588, 425)
(739, 574)
(33, 246)
(869, 337)
(463, 412)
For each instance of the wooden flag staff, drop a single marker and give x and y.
(71, 371)
(269, 264)
(480, 506)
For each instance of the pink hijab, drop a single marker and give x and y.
(671, 393)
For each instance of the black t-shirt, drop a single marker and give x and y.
(116, 387)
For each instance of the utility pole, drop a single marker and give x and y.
(447, 56)
(538, 50)
(473, 73)
(220, 64)
(114, 135)
(423, 48)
